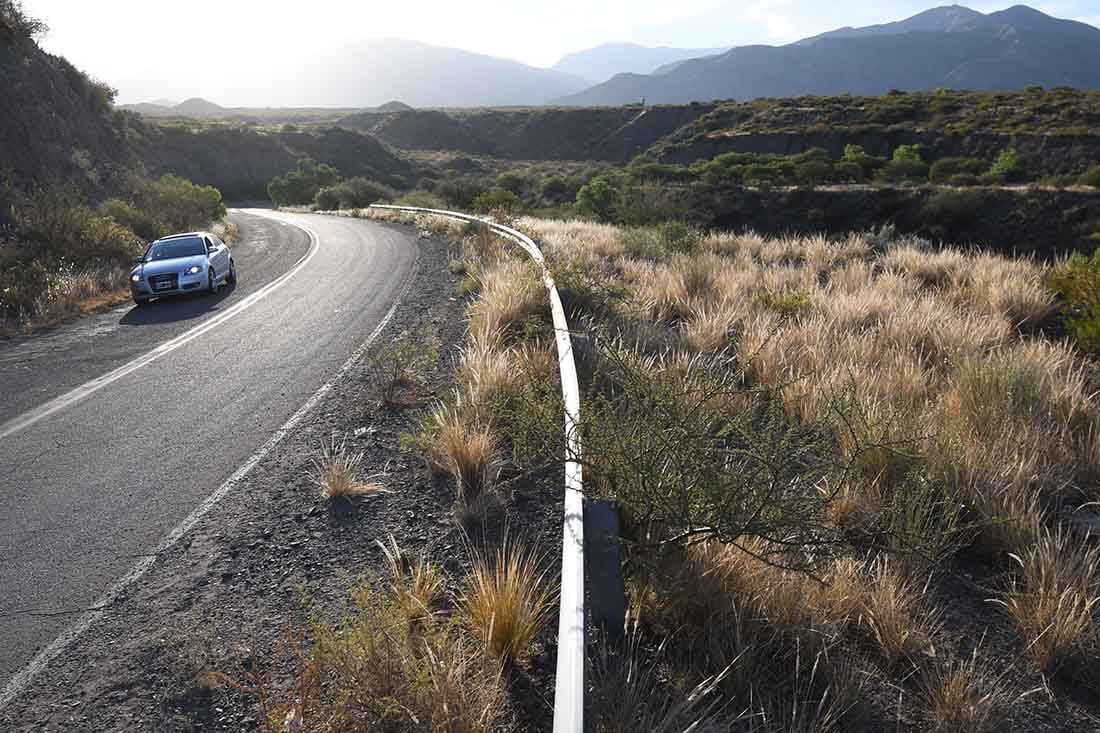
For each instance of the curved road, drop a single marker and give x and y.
(89, 488)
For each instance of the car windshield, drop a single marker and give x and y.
(173, 248)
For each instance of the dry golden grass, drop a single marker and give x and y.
(465, 448)
(894, 615)
(337, 472)
(416, 585)
(964, 696)
(1053, 598)
(510, 294)
(508, 599)
(376, 671)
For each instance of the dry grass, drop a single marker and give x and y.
(893, 613)
(376, 671)
(337, 472)
(964, 696)
(508, 599)
(511, 294)
(1053, 599)
(416, 585)
(464, 447)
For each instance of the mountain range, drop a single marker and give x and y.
(950, 46)
(603, 62)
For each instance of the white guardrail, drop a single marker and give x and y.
(569, 682)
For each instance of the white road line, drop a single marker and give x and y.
(70, 398)
(21, 679)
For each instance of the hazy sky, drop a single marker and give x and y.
(129, 43)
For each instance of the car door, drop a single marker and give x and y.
(219, 256)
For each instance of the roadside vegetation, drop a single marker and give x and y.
(61, 255)
(811, 441)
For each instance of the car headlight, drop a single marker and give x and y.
(194, 270)
(135, 278)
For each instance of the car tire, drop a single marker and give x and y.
(231, 278)
(211, 283)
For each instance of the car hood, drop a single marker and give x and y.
(177, 265)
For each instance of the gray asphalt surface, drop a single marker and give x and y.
(88, 490)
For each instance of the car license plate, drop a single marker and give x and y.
(164, 286)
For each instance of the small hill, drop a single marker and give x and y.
(199, 109)
(950, 47)
(393, 106)
(603, 62)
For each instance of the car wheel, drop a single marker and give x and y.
(231, 278)
(211, 283)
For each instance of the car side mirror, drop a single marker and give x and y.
(138, 260)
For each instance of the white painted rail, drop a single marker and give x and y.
(569, 682)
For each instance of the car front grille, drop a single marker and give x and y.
(156, 282)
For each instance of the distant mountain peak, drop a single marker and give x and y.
(950, 46)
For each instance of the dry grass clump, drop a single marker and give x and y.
(416, 585)
(508, 599)
(337, 472)
(574, 238)
(631, 694)
(511, 294)
(964, 696)
(1053, 597)
(465, 447)
(894, 617)
(376, 671)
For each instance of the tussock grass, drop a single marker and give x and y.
(964, 696)
(416, 585)
(464, 447)
(511, 294)
(337, 472)
(1053, 597)
(508, 599)
(894, 615)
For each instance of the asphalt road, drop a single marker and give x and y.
(90, 487)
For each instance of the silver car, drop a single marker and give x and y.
(180, 264)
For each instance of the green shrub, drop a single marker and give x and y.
(1077, 279)
(945, 170)
(856, 155)
(849, 172)
(908, 154)
(946, 209)
(642, 244)
(813, 172)
(176, 203)
(904, 171)
(649, 203)
(1008, 166)
(677, 236)
(598, 198)
(557, 190)
(1091, 177)
(422, 199)
(326, 199)
(141, 222)
(299, 187)
(496, 199)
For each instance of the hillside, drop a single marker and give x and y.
(603, 62)
(240, 161)
(613, 134)
(57, 124)
(945, 47)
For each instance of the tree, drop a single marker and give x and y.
(1008, 166)
(300, 186)
(14, 17)
(496, 199)
(598, 198)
